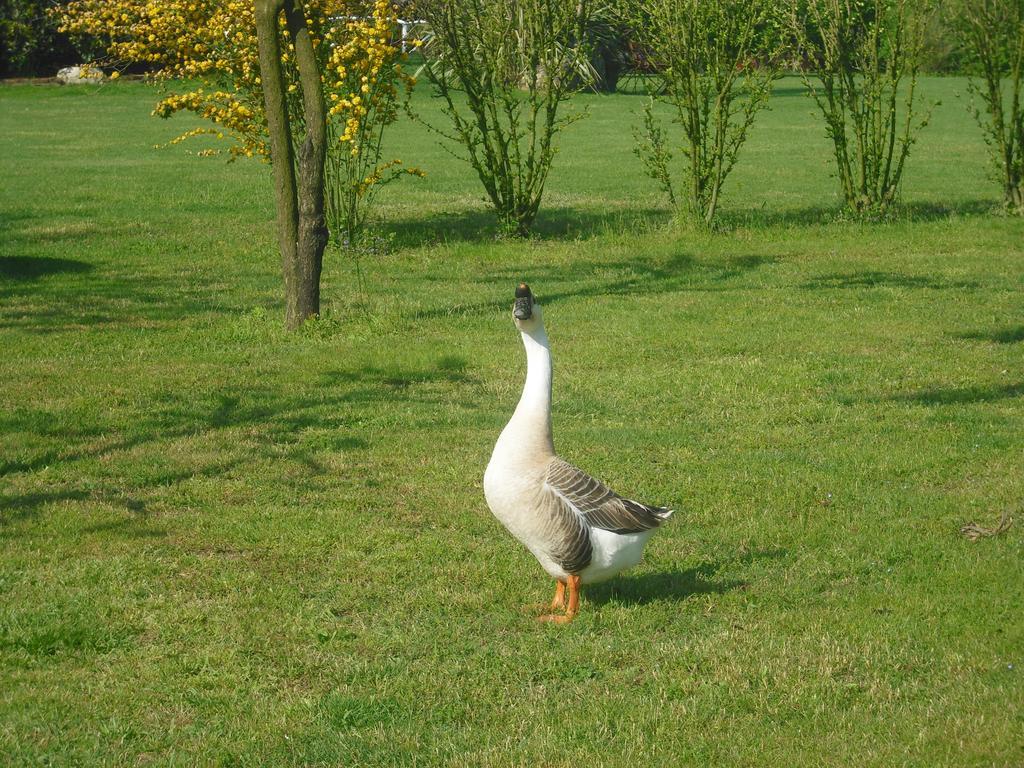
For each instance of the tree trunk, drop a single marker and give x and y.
(1015, 198)
(301, 227)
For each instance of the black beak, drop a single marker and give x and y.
(523, 308)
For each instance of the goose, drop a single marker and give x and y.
(579, 530)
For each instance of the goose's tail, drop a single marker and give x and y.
(662, 513)
(656, 515)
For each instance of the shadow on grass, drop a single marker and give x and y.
(36, 267)
(480, 225)
(789, 90)
(680, 273)
(76, 297)
(58, 455)
(126, 528)
(16, 507)
(655, 587)
(879, 279)
(292, 430)
(1011, 335)
(15, 501)
(962, 395)
(811, 216)
(20, 506)
(551, 224)
(282, 416)
(638, 589)
(46, 294)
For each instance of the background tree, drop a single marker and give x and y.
(992, 35)
(941, 52)
(716, 62)
(210, 48)
(866, 55)
(503, 68)
(31, 43)
(608, 41)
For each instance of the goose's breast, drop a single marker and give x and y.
(510, 492)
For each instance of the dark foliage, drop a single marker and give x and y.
(31, 45)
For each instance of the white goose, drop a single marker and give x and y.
(578, 529)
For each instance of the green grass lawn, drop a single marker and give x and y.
(224, 544)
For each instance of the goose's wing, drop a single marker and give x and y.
(598, 505)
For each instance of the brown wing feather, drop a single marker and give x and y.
(565, 531)
(598, 505)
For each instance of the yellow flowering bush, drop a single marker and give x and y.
(365, 68)
(210, 48)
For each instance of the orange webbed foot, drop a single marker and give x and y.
(556, 618)
(559, 601)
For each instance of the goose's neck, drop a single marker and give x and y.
(534, 409)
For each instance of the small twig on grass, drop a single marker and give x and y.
(973, 531)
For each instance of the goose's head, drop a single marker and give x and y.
(525, 311)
